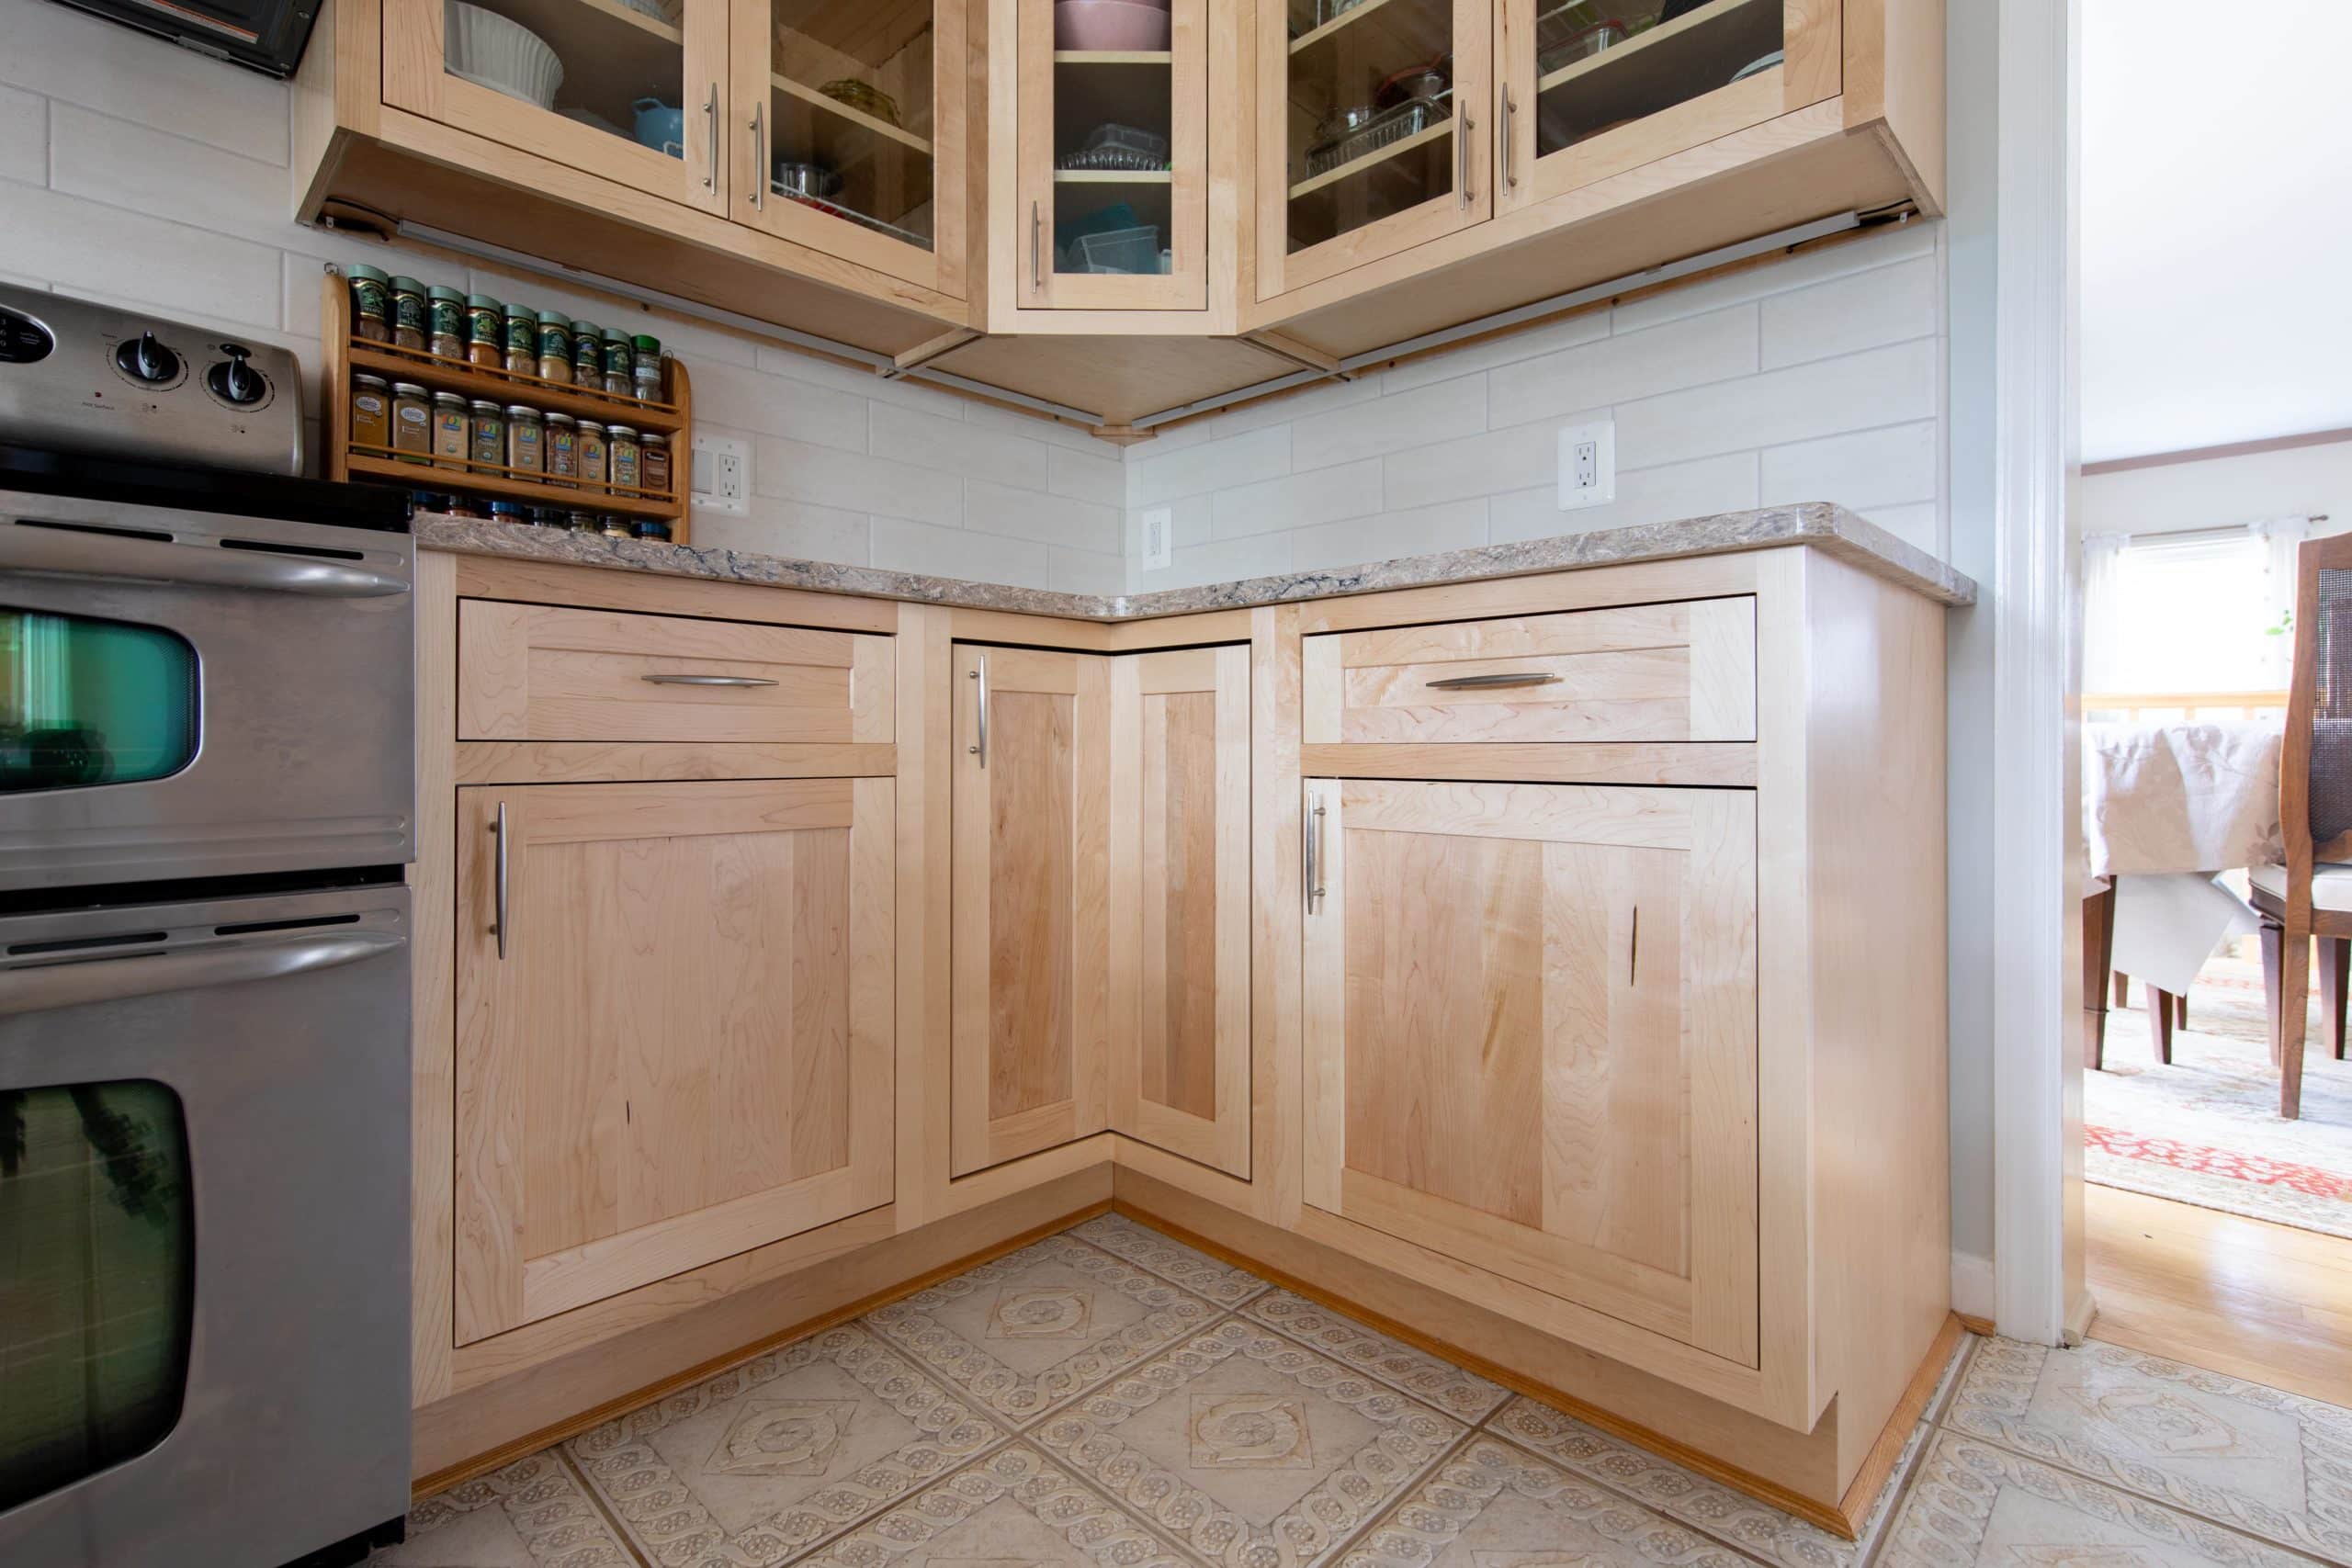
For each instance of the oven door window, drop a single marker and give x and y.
(97, 1232)
(87, 702)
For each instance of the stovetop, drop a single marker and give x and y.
(194, 489)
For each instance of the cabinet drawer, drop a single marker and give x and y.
(1677, 672)
(535, 673)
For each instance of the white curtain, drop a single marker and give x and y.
(2192, 611)
(2283, 535)
(2102, 612)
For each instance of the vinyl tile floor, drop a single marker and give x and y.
(1110, 1398)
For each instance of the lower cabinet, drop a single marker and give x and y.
(673, 1030)
(1531, 1038)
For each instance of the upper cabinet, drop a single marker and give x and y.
(849, 129)
(1371, 130)
(633, 93)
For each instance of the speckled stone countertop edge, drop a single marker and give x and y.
(1829, 528)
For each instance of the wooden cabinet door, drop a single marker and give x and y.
(1585, 97)
(1029, 943)
(1079, 213)
(873, 93)
(1179, 903)
(675, 1025)
(1333, 194)
(1531, 1038)
(608, 64)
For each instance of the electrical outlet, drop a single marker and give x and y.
(722, 480)
(1588, 464)
(1157, 548)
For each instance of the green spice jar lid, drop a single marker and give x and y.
(443, 291)
(482, 302)
(406, 285)
(646, 345)
(554, 319)
(613, 335)
(530, 311)
(365, 273)
(583, 328)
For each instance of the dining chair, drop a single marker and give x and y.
(2310, 896)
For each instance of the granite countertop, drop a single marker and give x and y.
(1831, 529)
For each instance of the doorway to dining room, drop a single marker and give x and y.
(2215, 508)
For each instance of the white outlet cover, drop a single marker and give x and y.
(722, 474)
(1597, 486)
(1158, 545)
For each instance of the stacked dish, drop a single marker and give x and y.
(1111, 25)
(489, 50)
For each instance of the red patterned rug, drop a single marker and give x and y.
(2206, 1129)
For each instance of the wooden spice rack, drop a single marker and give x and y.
(348, 459)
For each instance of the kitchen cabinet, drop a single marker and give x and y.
(1030, 962)
(1530, 1037)
(673, 1030)
(848, 130)
(1179, 903)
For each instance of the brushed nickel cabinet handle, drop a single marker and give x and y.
(710, 111)
(1462, 158)
(710, 679)
(759, 156)
(980, 747)
(1036, 236)
(499, 889)
(1468, 682)
(1510, 177)
(1315, 851)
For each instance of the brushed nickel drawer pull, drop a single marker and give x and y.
(1315, 850)
(710, 679)
(1467, 683)
(498, 892)
(981, 739)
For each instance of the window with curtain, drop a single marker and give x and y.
(2202, 612)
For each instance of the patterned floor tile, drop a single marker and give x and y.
(1037, 1327)
(1248, 1448)
(1494, 1505)
(768, 1459)
(1973, 1503)
(1014, 1509)
(2270, 1464)
(1170, 1260)
(1461, 1394)
(530, 1515)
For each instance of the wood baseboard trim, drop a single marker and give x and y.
(1878, 1465)
(546, 1437)
(1980, 1326)
(1836, 1517)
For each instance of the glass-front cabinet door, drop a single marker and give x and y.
(1113, 208)
(1594, 88)
(848, 123)
(1372, 130)
(630, 91)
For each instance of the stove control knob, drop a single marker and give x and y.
(145, 359)
(235, 382)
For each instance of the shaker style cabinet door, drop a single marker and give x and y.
(845, 131)
(636, 95)
(675, 1030)
(1179, 903)
(1531, 1038)
(1029, 940)
(1592, 88)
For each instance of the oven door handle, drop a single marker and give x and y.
(51, 986)
(69, 552)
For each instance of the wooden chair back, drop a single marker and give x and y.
(2316, 766)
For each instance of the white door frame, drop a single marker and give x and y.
(2036, 882)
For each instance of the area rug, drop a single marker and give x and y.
(2206, 1129)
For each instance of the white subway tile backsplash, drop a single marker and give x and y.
(903, 545)
(851, 482)
(1256, 554)
(77, 59)
(777, 405)
(1871, 467)
(1286, 408)
(85, 248)
(787, 528)
(1919, 524)
(137, 166)
(1086, 475)
(1417, 416)
(1499, 460)
(1211, 465)
(1297, 501)
(24, 137)
(1510, 347)
(1858, 390)
(1841, 260)
(991, 508)
(1452, 525)
(1663, 495)
(1888, 304)
(1085, 572)
(1687, 352)
(936, 441)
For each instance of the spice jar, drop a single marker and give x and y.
(614, 526)
(587, 354)
(371, 411)
(555, 346)
(522, 340)
(452, 432)
(645, 367)
(407, 313)
(621, 452)
(653, 528)
(371, 310)
(490, 437)
(526, 440)
(620, 360)
(412, 423)
(653, 463)
(547, 517)
(507, 512)
(563, 451)
(485, 331)
(580, 521)
(596, 456)
(445, 322)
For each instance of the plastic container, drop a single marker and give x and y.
(1120, 251)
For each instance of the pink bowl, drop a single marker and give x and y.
(1109, 24)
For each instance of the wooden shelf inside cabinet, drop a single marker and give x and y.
(1409, 31)
(345, 356)
(838, 110)
(612, 53)
(1372, 161)
(1654, 70)
(1114, 176)
(1163, 58)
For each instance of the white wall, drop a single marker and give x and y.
(134, 172)
(2219, 491)
(1820, 378)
